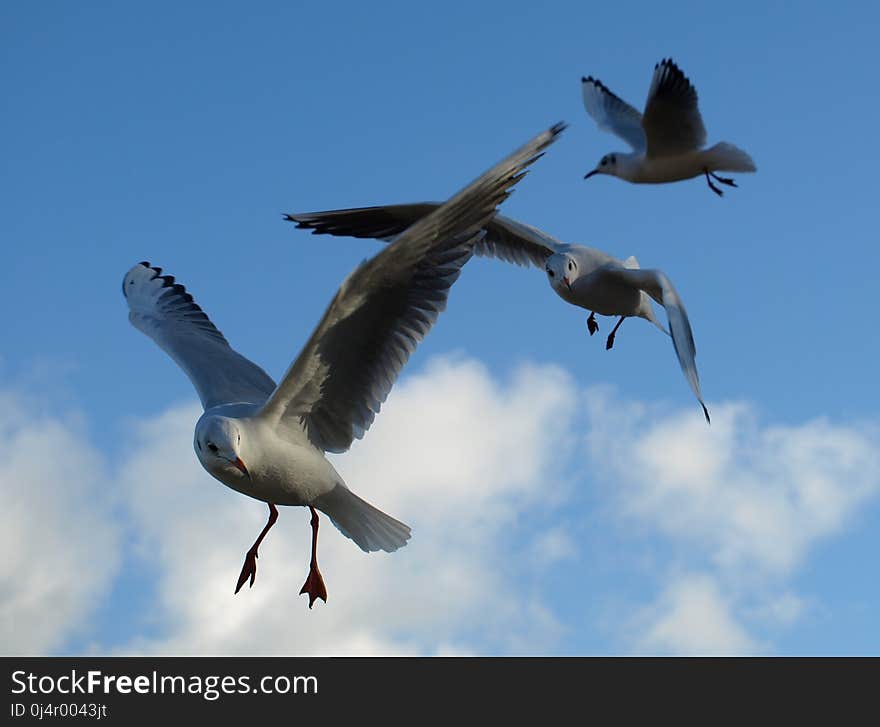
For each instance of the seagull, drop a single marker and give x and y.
(580, 275)
(667, 140)
(268, 441)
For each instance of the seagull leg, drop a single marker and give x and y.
(712, 186)
(592, 326)
(610, 342)
(314, 585)
(724, 180)
(249, 569)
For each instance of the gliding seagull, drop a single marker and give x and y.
(583, 276)
(268, 441)
(667, 140)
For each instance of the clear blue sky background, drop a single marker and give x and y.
(179, 133)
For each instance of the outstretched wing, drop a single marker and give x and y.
(672, 120)
(612, 113)
(164, 311)
(384, 308)
(505, 239)
(660, 288)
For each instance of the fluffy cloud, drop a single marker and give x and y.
(502, 483)
(57, 528)
(458, 456)
(692, 616)
(739, 500)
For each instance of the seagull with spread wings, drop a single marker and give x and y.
(667, 139)
(580, 275)
(268, 441)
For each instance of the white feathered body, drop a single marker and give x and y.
(602, 294)
(284, 468)
(642, 169)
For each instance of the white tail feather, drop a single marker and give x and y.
(357, 519)
(729, 158)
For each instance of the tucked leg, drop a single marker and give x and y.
(314, 585)
(249, 569)
(712, 186)
(724, 180)
(592, 326)
(610, 342)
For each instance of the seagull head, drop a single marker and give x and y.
(562, 271)
(608, 164)
(218, 446)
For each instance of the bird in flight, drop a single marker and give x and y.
(667, 138)
(268, 441)
(580, 275)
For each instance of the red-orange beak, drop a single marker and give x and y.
(567, 284)
(238, 463)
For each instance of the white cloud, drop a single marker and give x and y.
(746, 501)
(458, 456)
(725, 516)
(692, 616)
(57, 528)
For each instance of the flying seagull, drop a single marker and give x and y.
(667, 139)
(583, 276)
(268, 441)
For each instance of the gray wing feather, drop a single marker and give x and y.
(672, 120)
(612, 113)
(660, 288)
(505, 238)
(164, 311)
(337, 384)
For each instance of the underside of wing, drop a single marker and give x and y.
(612, 113)
(381, 312)
(505, 238)
(672, 120)
(660, 288)
(167, 313)
(348, 367)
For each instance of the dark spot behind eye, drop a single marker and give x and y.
(199, 445)
(551, 273)
(212, 447)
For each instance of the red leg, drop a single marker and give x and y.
(249, 569)
(314, 585)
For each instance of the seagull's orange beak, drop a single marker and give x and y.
(238, 463)
(567, 283)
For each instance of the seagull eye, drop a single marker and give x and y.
(604, 161)
(213, 447)
(570, 265)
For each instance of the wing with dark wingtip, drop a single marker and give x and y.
(660, 288)
(612, 113)
(505, 238)
(163, 310)
(672, 118)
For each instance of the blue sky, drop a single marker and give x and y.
(179, 134)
